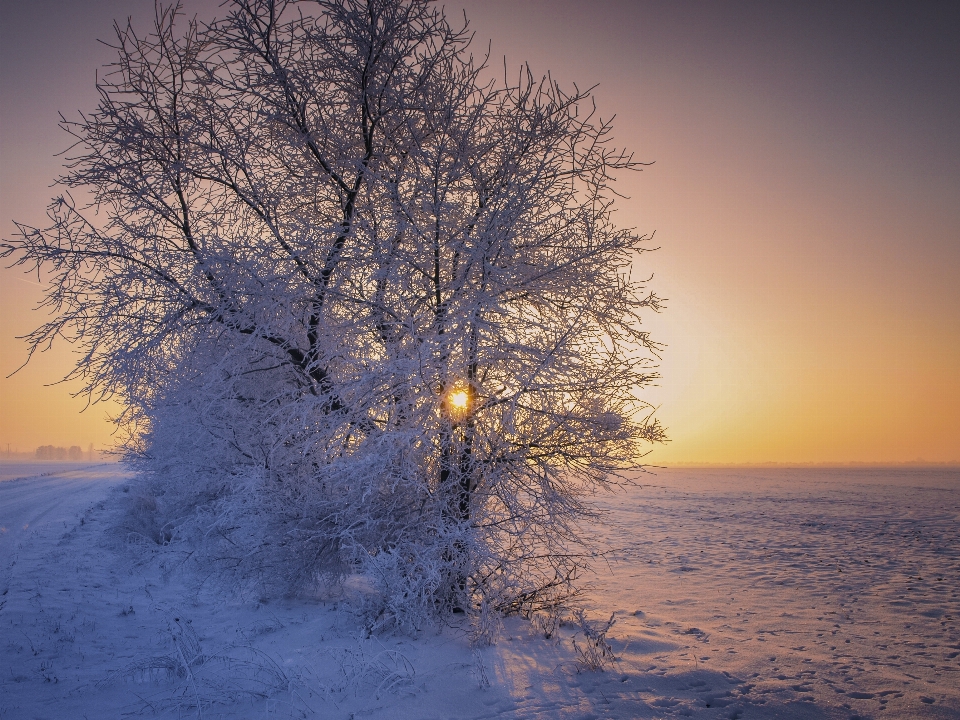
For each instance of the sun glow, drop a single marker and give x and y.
(459, 399)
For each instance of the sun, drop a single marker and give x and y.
(459, 399)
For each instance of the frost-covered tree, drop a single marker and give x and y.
(366, 306)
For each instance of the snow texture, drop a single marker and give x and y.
(734, 594)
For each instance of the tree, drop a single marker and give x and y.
(367, 306)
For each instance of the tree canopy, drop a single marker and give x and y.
(366, 306)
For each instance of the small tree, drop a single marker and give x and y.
(368, 305)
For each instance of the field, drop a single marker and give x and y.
(802, 593)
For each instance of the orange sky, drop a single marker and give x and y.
(805, 196)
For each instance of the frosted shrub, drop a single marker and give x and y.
(593, 651)
(367, 311)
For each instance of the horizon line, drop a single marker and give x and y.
(947, 464)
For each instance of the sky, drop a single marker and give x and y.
(804, 194)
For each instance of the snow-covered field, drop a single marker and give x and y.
(736, 593)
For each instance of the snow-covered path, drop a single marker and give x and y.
(38, 497)
(738, 594)
(48, 567)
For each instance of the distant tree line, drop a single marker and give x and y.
(52, 452)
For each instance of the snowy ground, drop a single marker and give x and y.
(750, 594)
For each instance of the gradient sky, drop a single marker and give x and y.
(805, 197)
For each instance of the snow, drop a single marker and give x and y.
(737, 593)
(31, 469)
